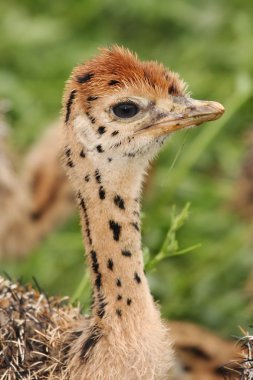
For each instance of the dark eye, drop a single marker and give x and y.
(125, 110)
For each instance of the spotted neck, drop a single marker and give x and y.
(108, 193)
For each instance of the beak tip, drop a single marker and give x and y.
(218, 107)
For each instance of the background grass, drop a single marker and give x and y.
(210, 44)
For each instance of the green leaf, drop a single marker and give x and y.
(170, 246)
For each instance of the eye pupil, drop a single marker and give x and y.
(125, 110)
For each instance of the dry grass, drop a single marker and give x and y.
(34, 333)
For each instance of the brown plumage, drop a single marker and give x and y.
(35, 197)
(32, 333)
(117, 114)
(37, 332)
(201, 355)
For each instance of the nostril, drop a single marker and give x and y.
(161, 115)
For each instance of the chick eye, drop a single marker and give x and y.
(125, 110)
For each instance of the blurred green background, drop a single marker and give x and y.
(210, 44)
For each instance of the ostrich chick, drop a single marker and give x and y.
(118, 112)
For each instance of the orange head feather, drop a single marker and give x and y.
(116, 68)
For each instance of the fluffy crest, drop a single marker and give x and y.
(117, 68)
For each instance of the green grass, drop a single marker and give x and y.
(210, 44)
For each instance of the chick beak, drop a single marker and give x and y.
(186, 112)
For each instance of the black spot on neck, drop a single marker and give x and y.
(119, 202)
(87, 178)
(101, 130)
(135, 225)
(94, 261)
(70, 163)
(101, 192)
(89, 344)
(119, 297)
(119, 313)
(82, 154)
(68, 152)
(69, 104)
(85, 77)
(137, 278)
(86, 219)
(82, 203)
(110, 264)
(126, 252)
(117, 145)
(129, 301)
(116, 229)
(88, 233)
(109, 159)
(98, 176)
(100, 149)
(118, 283)
(115, 133)
(113, 82)
(98, 281)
